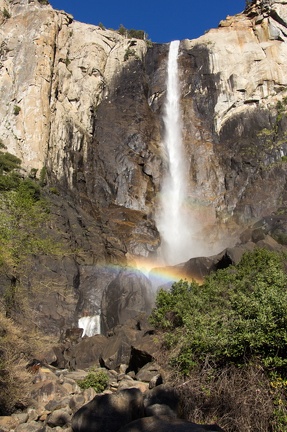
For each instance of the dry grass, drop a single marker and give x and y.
(16, 349)
(236, 399)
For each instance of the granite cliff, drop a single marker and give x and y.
(85, 104)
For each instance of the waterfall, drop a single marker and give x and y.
(91, 325)
(171, 220)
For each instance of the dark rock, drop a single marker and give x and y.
(109, 412)
(58, 417)
(144, 350)
(159, 410)
(73, 335)
(166, 424)
(199, 268)
(86, 353)
(125, 297)
(155, 381)
(163, 395)
(148, 372)
(118, 348)
(57, 356)
(257, 235)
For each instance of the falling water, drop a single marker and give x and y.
(91, 325)
(171, 220)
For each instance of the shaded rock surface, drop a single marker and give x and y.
(109, 412)
(166, 424)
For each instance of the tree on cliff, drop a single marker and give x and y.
(23, 215)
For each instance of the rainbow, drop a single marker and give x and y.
(154, 270)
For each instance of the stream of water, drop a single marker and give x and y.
(171, 220)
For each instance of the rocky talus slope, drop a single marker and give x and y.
(134, 400)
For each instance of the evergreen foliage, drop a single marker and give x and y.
(23, 216)
(238, 315)
(6, 14)
(132, 33)
(97, 379)
(228, 338)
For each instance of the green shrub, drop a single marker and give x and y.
(8, 162)
(132, 34)
(229, 336)
(54, 190)
(137, 34)
(17, 110)
(6, 14)
(122, 30)
(43, 176)
(33, 173)
(237, 316)
(9, 181)
(97, 379)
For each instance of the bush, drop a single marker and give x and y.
(97, 379)
(130, 53)
(6, 14)
(8, 162)
(132, 34)
(16, 110)
(239, 314)
(227, 338)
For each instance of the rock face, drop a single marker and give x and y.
(85, 104)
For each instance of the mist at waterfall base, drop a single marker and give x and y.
(176, 225)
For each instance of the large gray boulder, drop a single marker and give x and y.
(128, 295)
(166, 424)
(109, 412)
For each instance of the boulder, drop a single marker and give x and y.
(166, 424)
(32, 426)
(109, 412)
(159, 410)
(130, 383)
(129, 344)
(150, 371)
(126, 297)
(143, 351)
(163, 395)
(59, 417)
(118, 348)
(86, 353)
(7, 423)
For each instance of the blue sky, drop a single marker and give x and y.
(163, 20)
